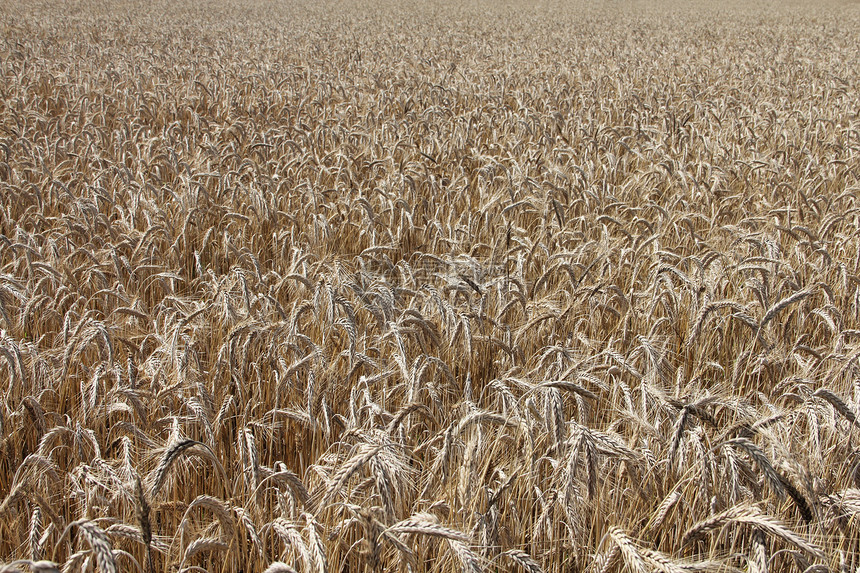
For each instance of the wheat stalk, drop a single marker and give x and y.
(279, 567)
(524, 560)
(751, 515)
(98, 542)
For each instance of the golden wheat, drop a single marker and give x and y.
(359, 286)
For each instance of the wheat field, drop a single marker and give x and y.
(318, 287)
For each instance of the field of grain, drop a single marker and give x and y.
(429, 286)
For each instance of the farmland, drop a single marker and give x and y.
(391, 286)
